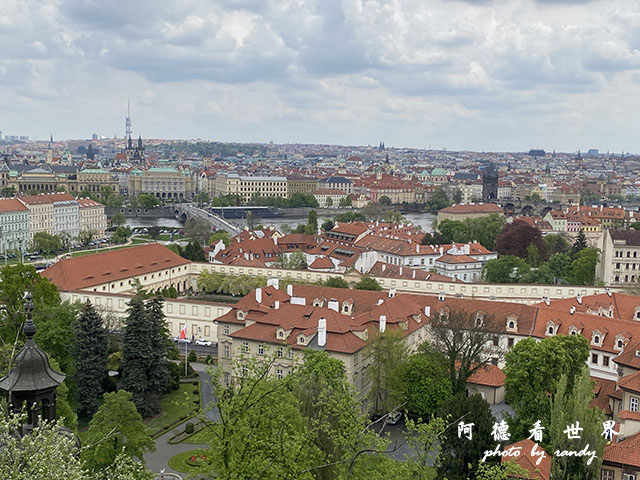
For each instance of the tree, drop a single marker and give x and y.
(426, 383)
(485, 230)
(532, 372)
(312, 220)
(384, 201)
(220, 235)
(329, 202)
(327, 225)
(297, 261)
(54, 321)
(147, 200)
(197, 229)
(516, 237)
(583, 269)
(504, 471)
(115, 427)
(465, 340)
(90, 360)
(434, 238)
(158, 373)
(533, 256)
(387, 354)
(194, 252)
(580, 243)
(336, 282)
(8, 192)
(63, 407)
(250, 220)
(121, 235)
(559, 264)
(345, 201)
(202, 198)
(556, 243)
(457, 196)
(347, 217)
(368, 283)
(118, 219)
(505, 269)
(137, 350)
(454, 231)
(45, 242)
(86, 236)
(569, 407)
(439, 200)
(460, 455)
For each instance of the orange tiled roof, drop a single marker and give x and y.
(457, 259)
(625, 452)
(473, 208)
(529, 463)
(96, 269)
(489, 375)
(11, 205)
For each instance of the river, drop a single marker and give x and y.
(424, 220)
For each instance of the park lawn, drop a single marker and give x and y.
(93, 250)
(179, 462)
(202, 437)
(173, 406)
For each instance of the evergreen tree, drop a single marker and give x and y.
(137, 355)
(90, 360)
(580, 243)
(158, 373)
(312, 220)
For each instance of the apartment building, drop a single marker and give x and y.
(247, 187)
(14, 225)
(65, 215)
(619, 260)
(163, 182)
(91, 217)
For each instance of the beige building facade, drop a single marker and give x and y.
(162, 182)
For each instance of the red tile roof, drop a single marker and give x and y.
(11, 205)
(473, 208)
(630, 382)
(457, 259)
(525, 460)
(45, 198)
(87, 203)
(625, 452)
(489, 375)
(99, 268)
(321, 263)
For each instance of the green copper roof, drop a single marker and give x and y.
(438, 171)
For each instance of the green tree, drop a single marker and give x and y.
(194, 252)
(580, 243)
(454, 231)
(121, 235)
(439, 200)
(532, 372)
(54, 322)
(505, 269)
(115, 427)
(327, 225)
(559, 264)
(571, 406)
(159, 377)
(202, 198)
(583, 268)
(387, 354)
(457, 196)
(312, 220)
(347, 217)
(8, 192)
(86, 236)
(465, 339)
(384, 201)
(220, 235)
(485, 230)
(504, 471)
(90, 360)
(137, 350)
(63, 406)
(426, 383)
(336, 282)
(556, 243)
(118, 219)
(147, 200)
(250, 220)
(533, 256)
(329, 202)
(460, 456)
(44, 242)
(368, 283)
(197, 229)
(345, 201)
(297, 261)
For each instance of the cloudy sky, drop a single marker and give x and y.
(476, 74)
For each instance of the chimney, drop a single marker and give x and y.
(427, 311)
(333, 305)
(400, 271)
(414, 274)
(383, 323)
(273, 282)
(441, 297)
(392, 293)
(290, 290)
(259, 295)
(546, 300)
(277, 304)
(607, 291)
(572, 310)
(579, 298)
(384, 266)
(441, 250)
(322, 332)
(380, 301)
(275, 240)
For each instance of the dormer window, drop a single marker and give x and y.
(280, 334)
(636, 314)
(551, 328)
(301, 340)
(597, 337)
(240, 315)
(619, 342)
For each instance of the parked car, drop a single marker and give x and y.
(203, 342)
(182, 340)
(394, 417)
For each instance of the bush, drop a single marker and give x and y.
(194, 383)
(208, 360)
(166, 427)
(184, 417)
(188, 427)
(196, 391)
(197, 402)
(175, 370)
(192, 356)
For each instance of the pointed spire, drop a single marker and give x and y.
(29, 326)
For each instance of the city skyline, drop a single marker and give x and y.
(487, 76)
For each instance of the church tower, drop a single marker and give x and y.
(490, 184)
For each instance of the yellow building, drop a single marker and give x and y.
(162, 182)
(91, 217)
(249, 187)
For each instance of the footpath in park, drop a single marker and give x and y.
(158, 460)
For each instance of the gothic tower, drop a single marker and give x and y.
(490, 184)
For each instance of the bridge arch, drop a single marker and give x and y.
(527, 210)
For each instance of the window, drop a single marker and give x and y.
(605, 361)
(260, 349)
(245, 371)
(280, 334)
(226, 379)
(596, 339)
(280, 352)
(496, 340)
(245, 347)
(279, 374)
(594, 358)
(289, 353)
(226, 329)
(550, 330)
(225, 351)
(619, 344)
(510, 342)
(628, 476)
(606, 474)
(633, 404)
(512, 325)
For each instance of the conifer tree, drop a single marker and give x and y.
(580, 243)
(158, 373)
(90, 360)
(137, 355)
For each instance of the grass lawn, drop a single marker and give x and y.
(179, 462)
(200, 438)
(174, 405)
(93, 250)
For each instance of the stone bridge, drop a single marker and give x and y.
(528, 208)
(185, 211)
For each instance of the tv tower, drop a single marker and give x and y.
(127, 121)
